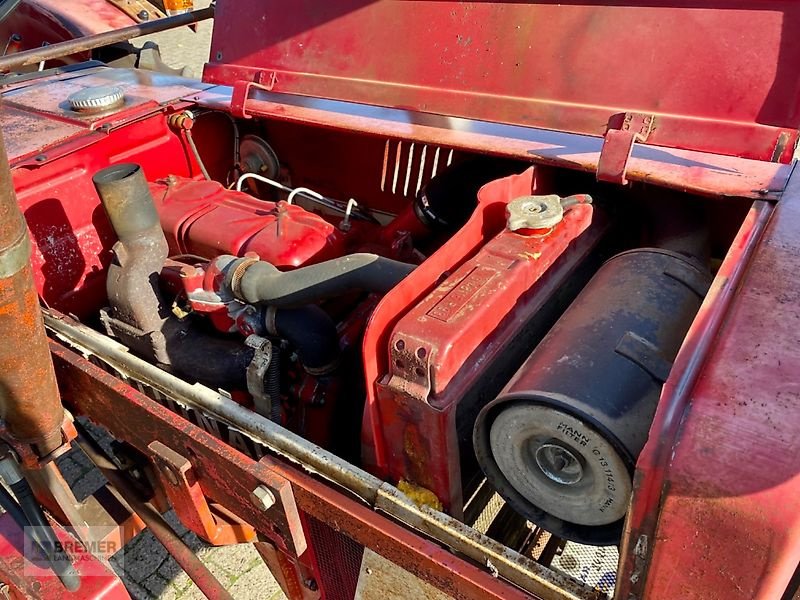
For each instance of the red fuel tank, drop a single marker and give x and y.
(204, 218)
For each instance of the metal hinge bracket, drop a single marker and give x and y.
(241, 92)
(623, 131)
(211, 522)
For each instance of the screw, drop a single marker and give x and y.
(144, 15)
(262, 497)
(311, 584)
(40, 157)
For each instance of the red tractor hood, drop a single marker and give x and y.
(714, 75)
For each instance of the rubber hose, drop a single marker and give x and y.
(42, 533)
(261, 282)
(208, 359)
(10, 505)
(312, 332)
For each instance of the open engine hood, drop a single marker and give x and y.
(709, 75)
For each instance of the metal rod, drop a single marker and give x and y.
(90, 42)
(175, 546)
(29, 399)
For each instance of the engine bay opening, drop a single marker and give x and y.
(489, 334)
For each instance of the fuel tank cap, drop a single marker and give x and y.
(96, 99)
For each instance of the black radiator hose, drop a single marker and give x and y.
(311, 332)
(205, 358)
(258, 282)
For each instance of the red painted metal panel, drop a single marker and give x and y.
(70, 234)
(477, 311)
(718, 76)
(732, 481)
(684, 170)
(71, 239)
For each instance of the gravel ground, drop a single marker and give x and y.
(146, 569)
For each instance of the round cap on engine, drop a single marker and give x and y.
(534, 212)
(96, 99)
(560, 464)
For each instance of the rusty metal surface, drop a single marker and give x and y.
(98, 40)
(29, 399)
(28, 133)
(718, 80)
(223, 475)
(684, 170)
(179, 482)
(227, 476)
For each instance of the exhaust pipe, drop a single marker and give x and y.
(139, 313)
(140, 317)
(29, 400)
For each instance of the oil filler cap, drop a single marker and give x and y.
(96, 99)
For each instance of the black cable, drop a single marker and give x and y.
(27, 513)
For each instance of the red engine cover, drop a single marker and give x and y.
(204, 218)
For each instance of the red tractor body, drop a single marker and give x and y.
(391, 262)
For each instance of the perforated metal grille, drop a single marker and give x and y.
(593, 565)
(339, 560)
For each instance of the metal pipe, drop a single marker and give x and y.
(132, 282)
(90, 42)
(174, 545)
(140, 315)
(29, 399)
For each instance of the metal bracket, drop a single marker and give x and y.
(215, 525)
(241, 93)
(623, 131)
(257, 373)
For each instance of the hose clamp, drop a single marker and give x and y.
(238, 273)
(15, 257)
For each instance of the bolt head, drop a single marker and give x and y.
(263, 497)
(144, 15)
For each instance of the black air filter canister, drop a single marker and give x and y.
(560, 443)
